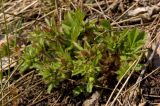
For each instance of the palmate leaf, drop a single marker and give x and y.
(135, 37)
(134, 42)
(132, 48)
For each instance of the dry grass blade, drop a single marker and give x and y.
(10, 100)
(26, 10)
(9, 78)
(117, 95)
(133, 86)
(18, 80)
(37, 97)
(127, 11)
(107, 103)
(106, 17)
(135, 91)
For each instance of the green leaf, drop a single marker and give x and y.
(79, 15)
(131, 36)
(75, 33)
(106, 24)
(122, 70)
(50, 87)
(135, 36)
(89, 87)
(90, 84)
(1, 75)
(73, 24)
(24, 67)
(37, 66)
(124, 57)
(78, 46)
(67, 29)
(78, 90)
(97, 59)
(45, 73)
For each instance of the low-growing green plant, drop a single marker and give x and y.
(76, 48)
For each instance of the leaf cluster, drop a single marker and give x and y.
(74, 50)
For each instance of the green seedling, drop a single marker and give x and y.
(75, 49)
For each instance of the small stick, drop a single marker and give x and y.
(138, 82)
